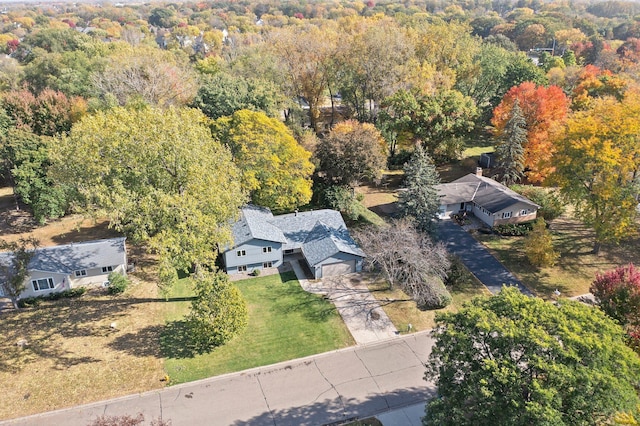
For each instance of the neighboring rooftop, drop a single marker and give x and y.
(483, 191)
(67, 258)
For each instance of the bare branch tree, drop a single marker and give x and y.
(408, 259)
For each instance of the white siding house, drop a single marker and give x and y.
(59, 268)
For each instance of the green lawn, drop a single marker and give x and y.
(577, 266)
(285, 322)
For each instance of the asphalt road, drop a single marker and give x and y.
(360, 381)
(477, 258)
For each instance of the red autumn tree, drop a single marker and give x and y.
(544, 110)
(594, 82)
(618, 293)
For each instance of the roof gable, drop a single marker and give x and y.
(255, 223)
(323, 242)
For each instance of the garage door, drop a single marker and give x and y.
(333, 269)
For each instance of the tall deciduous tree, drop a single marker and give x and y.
(510, 149)
(158, 176)
(544, 110)
(512, 359)
(14, 267)
(408, 259)
(352, 152)
(420, 199)
(218, 312)
(597, 166)
(151, 75)
(276, 170)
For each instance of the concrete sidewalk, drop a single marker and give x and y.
(383, 379)
(360, 311)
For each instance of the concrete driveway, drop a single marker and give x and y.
(477, 258)
(360, 311)
(356, 382)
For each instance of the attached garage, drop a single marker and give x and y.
(340, 268)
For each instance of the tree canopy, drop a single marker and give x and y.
(158, 176)
(276, 171)
(512, 359)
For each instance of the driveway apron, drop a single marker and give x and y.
(477, 258)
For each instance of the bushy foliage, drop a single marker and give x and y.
(551, 205)
(218, 312)
(118, 283)
(539, 246)
(512, 359)
(66, 294)
(127, 420)
(343, 199)
(513, 229)
(618, 294)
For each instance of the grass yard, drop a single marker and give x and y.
(285, 322)
(575, 269)
(71, 355)
(403, 311)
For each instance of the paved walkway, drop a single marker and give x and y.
(385, 379)
(477, 258)
(360, 311)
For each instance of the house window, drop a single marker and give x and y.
(81, 273)
(267, 265)
(42, 284)
(523, 212)
(506, 215)
(242, 268)
(266, 249)
(106, 269)
(241, 253)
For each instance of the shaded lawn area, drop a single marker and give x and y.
(285, 322)
(71, 355)
(403, 311)
(577, 266)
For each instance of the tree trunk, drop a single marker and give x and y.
(14, 301)
(596, 248)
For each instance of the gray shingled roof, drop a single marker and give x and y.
(255, 223)
(73, 257)
(483, 191)
(323, 242)
(319, 233)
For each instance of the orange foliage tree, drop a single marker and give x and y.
(544, 110)
(594, 82)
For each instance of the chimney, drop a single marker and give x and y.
(478, 171)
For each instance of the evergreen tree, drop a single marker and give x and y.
(510, 151)
(420, 200)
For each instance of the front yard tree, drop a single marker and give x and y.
(408, 259)
(352, 152)
(158, 176)
(276, 170)
(618, 294)
(512, 359)
(510, 149)
(420, 199)
(218, 312)
(597, 165)
(15, 269)
(539, 245)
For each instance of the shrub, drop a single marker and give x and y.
(458, 273)
(118, 283)
(255, 272)
(618, 293)
(66, 294)
(513, 229)
(434, 295)
(551, 206)
(539, 246)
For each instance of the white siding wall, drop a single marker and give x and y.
(60, 282)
